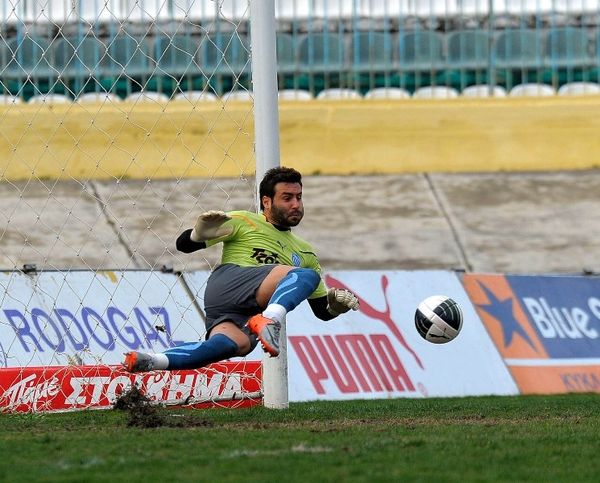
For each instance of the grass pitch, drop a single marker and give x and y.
(550, 438)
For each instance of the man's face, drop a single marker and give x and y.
(286, 208)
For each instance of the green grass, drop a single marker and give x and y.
(553, 438)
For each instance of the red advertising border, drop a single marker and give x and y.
(72, 388)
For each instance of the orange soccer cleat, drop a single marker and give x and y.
(138, 362)
(267, 331)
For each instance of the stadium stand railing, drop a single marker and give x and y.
(360, 45)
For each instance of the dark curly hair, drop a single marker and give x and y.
(273, 176)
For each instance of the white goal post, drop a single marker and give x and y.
(266, 129)
(117, 131)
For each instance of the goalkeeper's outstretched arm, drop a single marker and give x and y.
(186, 245)
(337, 301)
(208, 226)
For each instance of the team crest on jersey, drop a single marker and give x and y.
(296, 260)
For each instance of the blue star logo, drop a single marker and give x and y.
(502, 311)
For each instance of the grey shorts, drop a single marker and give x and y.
(230, 295)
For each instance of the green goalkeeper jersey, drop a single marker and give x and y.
(254, 242)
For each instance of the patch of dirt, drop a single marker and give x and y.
(143, 413)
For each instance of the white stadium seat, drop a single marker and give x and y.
(49, 99)
(195, 96)
(239, 95)
(579, 89)
(483, 90)
(387, 93)
(90, 97)
(147, 96)
(336, 94)
(532, 89)
(435, 92)
(6, 99)
(294, 95)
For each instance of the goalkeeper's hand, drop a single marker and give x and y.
(340, 301)
(209, 226)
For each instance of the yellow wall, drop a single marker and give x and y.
(335, 137)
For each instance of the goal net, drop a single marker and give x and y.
(122, 120)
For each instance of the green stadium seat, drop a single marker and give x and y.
(568, 47)
(128, 56)
(420, 50)
(372, 51)
(468, 49)
(176, 55)
(226, 53)
(322, 52)
(27, 56)
(28, 66)
(519, 49)
(286, 53)
(80, 57)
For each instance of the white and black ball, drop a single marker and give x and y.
(438, 319)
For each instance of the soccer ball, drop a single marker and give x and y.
(438, 319)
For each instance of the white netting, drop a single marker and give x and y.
(115, 135)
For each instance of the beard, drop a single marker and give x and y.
(285, 219)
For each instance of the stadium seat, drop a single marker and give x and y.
(128, 56)
(80, 58)
(579, 89)
(567, 47)
(295, 95)
(27, 56)
(532, 89)
(237, 95)
(468, 49)
(322, 52)
(387, 93)
(483, 90)
(372, 51)
(224, 53)
(195, 96)
(420, 50)
(8, 99)
(519, 48)
(337, 94)
(147, 96)
(435, 92)
(91, 97)
(49, 98)
(176, 55)
(286, 53)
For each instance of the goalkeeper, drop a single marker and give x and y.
(265, 272)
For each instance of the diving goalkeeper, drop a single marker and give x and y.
(265, 272)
